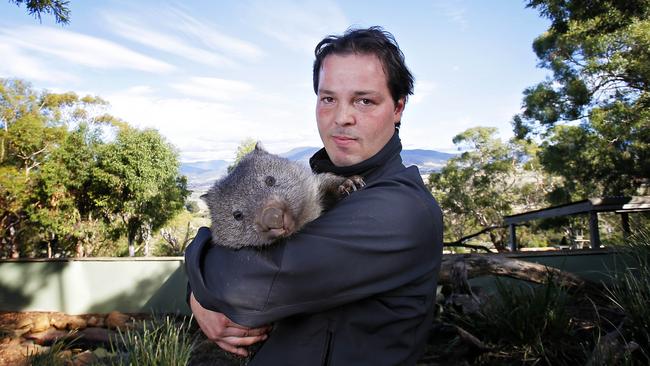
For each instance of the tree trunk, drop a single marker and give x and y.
(146, 239)
(13, 248)
(131, 246)
(79, 249)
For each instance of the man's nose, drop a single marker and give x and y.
(344, 115)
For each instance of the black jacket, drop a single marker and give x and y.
(354, 287)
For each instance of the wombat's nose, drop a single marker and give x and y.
(272, 218)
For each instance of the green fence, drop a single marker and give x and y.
(77, 286)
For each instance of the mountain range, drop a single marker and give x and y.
(202, 174)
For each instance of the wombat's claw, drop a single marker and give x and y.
(351, 184)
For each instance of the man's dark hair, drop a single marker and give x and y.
(373, 41)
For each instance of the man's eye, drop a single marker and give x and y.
(327, 100)
(365, 101)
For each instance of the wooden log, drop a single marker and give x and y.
(456, 270)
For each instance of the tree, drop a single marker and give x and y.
(64, 206)
(58, 8)
(138, 185)
(593, 113)
(489, 180)
(32, 127)
(244, 148)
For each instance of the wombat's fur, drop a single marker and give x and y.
(267, 197)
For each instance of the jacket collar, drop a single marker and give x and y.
(321, 163)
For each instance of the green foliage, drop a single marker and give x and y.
(58, 8)
(630, 291)
(53, 356)
(488, 180)
(138, 182)
(158, 343)
(532, 323)
(244, 148)
(192, 207)
(177, 233)
(593, 113)
(64, 190)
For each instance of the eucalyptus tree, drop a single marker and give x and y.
(490, 179)
(138, 185)
(593, 112)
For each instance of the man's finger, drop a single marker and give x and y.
(244, 332)
(243, 341)
(230, 323)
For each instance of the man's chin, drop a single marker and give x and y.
(346, 160)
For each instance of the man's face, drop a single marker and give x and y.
(355, 111)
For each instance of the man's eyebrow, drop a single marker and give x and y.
(356, 93)
(366, 92)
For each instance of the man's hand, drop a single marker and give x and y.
(230, 336)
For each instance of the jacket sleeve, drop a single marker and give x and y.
(375, 241)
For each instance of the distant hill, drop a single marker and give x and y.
(427, 161)
(301, 154)
(202, 174)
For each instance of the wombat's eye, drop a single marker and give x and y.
(269, 181)
(238, 215)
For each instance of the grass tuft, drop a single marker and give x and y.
(158, 343)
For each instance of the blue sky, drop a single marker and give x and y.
(208, 74)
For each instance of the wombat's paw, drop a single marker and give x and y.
(351, 184)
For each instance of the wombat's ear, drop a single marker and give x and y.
(259, 147)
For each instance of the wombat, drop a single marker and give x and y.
(267, 197)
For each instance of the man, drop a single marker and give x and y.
(357, 285)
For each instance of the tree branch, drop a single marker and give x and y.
(460, 242)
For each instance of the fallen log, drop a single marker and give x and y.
(457, 269)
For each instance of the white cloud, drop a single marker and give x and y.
(213, 88)
(16, 64)
(299, 24)
(80, 49)
(210, 129)
(133, 30)
(212, 38)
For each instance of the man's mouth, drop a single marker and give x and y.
(343, 139)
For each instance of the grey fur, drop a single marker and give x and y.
(267, 197)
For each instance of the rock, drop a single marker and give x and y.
(96, 336)
(94, 321)
(29, 348)
(71, 322)
(76, 322)
(19, 332)
(25, 323)
(40, 322)
(59, 320)
(117, 320)
(47, 337)
(84, 358)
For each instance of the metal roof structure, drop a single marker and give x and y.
(591, 206)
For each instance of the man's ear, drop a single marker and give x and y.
(399, 108)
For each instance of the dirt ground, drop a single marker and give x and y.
(19, 337)
(16, 345)
(14, 349)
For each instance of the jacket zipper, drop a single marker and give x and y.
(328, 348)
